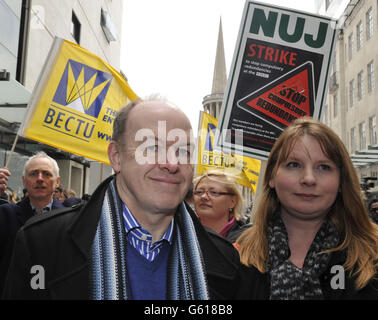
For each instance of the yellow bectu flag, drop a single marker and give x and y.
(244, 168)
(74, 102)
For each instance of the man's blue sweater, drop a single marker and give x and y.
(147, 280)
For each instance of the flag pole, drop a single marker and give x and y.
(11, 152)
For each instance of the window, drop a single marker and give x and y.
(360, 85)
(75, 28)
(353, 140)
(362, 129)
(350, 46)
(351, 93)
(335, 105)
(360, 36)
(108, 26)
(373, 130)
(370, 76)
(369, 24)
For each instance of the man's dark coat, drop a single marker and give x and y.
(60, 242)
(12, 218)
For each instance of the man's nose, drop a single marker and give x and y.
(171, 162)
(40, 176)
(171, 167)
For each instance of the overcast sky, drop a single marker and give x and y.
(169, 46)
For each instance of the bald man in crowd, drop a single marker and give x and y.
(135, 238)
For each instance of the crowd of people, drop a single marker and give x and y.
(152, 232)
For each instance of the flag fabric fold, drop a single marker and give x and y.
(74, 102)
(245, 169)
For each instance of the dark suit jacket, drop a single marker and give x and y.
(61, 243)
(12, 218)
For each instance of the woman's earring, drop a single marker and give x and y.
(230, 213)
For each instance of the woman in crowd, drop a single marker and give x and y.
(218, 203)
(311, 236)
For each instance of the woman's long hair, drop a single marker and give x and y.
(348, 212)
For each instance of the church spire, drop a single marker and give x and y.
(219, 76)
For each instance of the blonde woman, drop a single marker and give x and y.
(311, 236)
(218, 203)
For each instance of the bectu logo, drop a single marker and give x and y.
(82, 91)
(209, 137)
(82, 88)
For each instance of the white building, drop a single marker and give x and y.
(28, 30)
(352, 105)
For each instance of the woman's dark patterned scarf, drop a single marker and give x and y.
(287, 281)
(108, 268)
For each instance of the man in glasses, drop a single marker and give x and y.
(135, 238)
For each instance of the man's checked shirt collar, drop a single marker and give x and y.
(46, 208)
(141, 239)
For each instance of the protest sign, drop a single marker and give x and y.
(279, 73)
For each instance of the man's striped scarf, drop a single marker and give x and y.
(108, 267)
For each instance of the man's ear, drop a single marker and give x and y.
(114, 156)
(57, 184)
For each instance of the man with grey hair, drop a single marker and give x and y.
(135, 238)
(40, 178)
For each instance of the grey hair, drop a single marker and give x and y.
(119, 124)
(42, 154)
